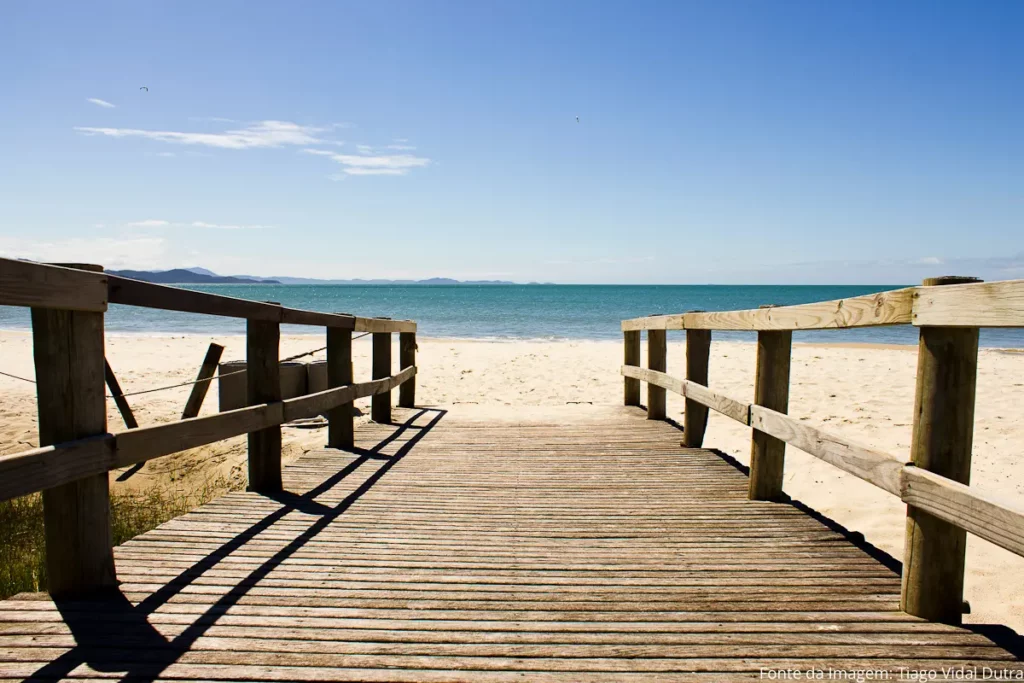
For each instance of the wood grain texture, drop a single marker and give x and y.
(407, 359)
(942, 439)
(340, 418)
(657, 360)
(380, 406)
(69, 364)
(631, 358)
(695, 415)
(659, 379)
(450, 549)
(263, 382)
(988, 516)
(879, 468)
(720, 403)
(38, 285)
(376, 325)
(885, 308)
(771, 390)
(203, 380)
(989, 304)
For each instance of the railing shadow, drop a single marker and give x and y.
(112, 635)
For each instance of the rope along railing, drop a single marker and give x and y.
(71, 467)
(933, 481)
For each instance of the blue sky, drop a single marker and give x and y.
(733, 142)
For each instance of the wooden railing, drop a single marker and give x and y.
(76, 451)
(933, 481)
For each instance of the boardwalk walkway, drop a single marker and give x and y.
(448, 548)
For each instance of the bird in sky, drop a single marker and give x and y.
(144, 88)
(577, 119)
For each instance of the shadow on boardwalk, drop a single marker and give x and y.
(96, 624)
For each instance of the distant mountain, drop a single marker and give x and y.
(183, 276)
(199, 276)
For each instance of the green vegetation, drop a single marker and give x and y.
(22, 540)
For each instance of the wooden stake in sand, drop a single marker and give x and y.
(203, 381)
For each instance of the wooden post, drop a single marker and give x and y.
(695, 417)
(407, 358)
(119, 400)
(203, 381)
(657, 352)
(69, 362)
(631, 346)
(380, 404)
(771, 390)
(263, 379)
(340, 421)
(933, 555)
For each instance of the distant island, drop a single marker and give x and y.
(203, 276)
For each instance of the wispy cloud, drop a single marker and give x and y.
(379, 164)
(100, 103)
(407, 148)
(112, 252)
(150, 223)
(263, 134)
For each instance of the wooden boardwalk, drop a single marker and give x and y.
(446, 548)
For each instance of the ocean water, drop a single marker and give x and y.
(506, 312)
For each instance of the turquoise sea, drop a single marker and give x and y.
(516, 311)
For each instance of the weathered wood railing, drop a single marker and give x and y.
(71, 466)
(941, 507)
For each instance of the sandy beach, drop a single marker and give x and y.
(863, 392)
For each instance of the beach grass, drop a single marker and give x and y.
(22, 539)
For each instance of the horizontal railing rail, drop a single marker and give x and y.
(933, 481)
(76, 452)
(983, 304)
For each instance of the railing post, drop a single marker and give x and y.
(933, 555)
(657, 352)
(771, 390)
(263, 379)
(380, 404)
(631, 346)
(407, 358)
(69, 364)
(340, 420)
(695, 417)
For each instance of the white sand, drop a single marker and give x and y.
(863, 392)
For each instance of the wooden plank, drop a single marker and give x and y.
(657, 358)
(293, 316)
(407, 359)
(990, 517)
(695, 415)
(380, 325)
(730, 407)
(149, 295)
(631, 358)
(23, 283)
(989, 304)
(941, 442)
(340, 419)
(69, 363)
(771, 390)
(203, 380)
(881, 469)
(885, 308)
(380, 407)
(654, 377)
(51, 466)
(119, 400)
(263, 378)
(33, 470)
